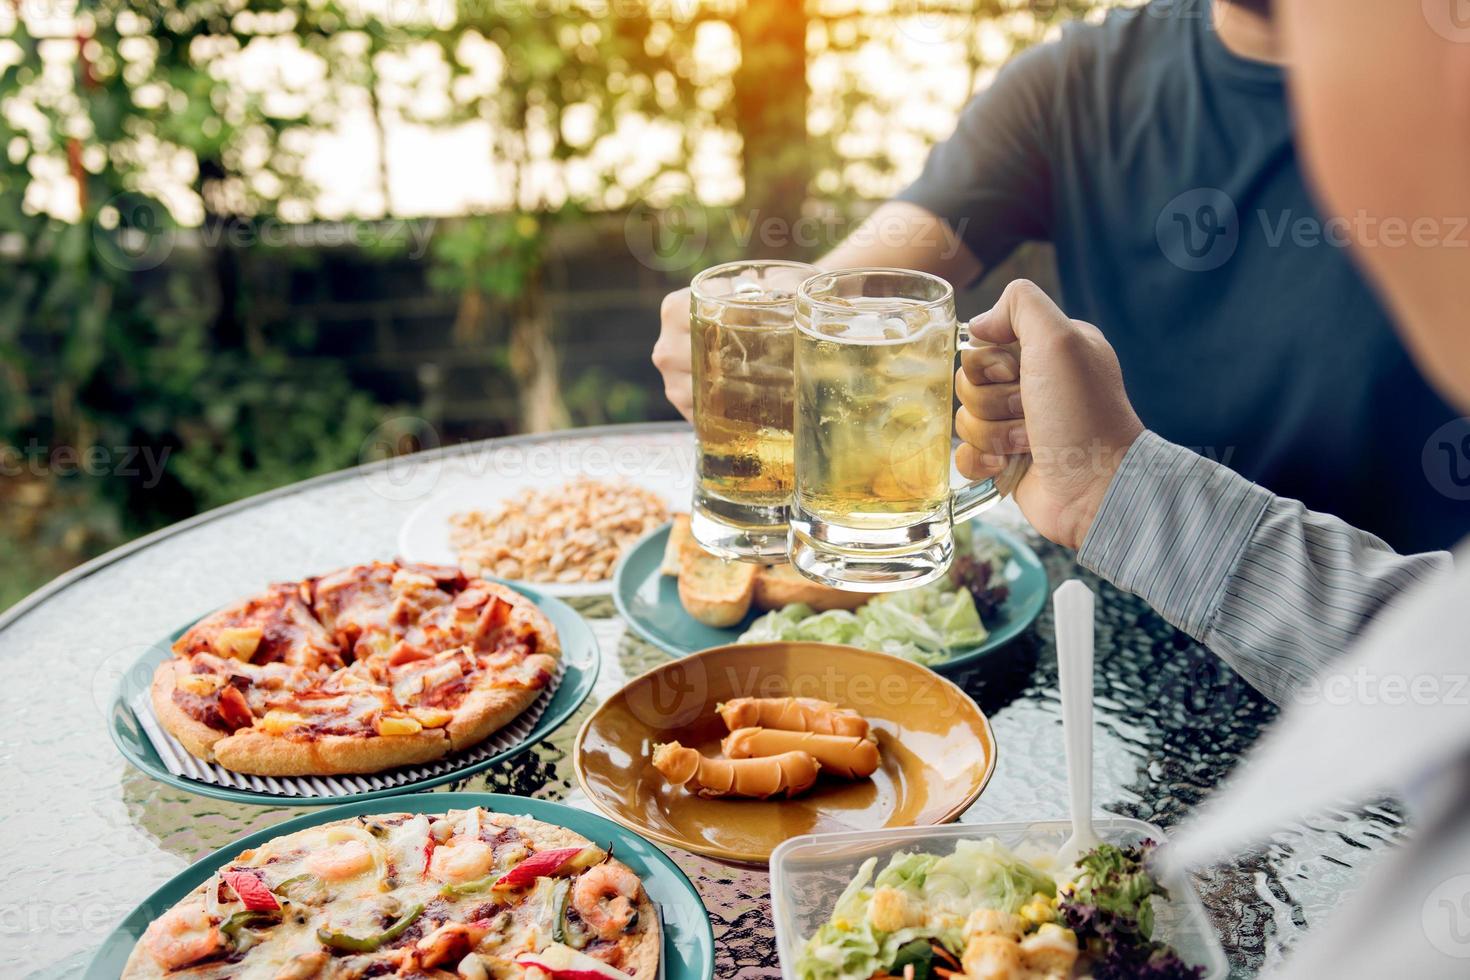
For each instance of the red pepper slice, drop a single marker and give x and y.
(542, 864)
(252, 890)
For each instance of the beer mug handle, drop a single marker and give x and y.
(971, 499)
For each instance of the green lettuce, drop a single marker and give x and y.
(979, 874)
(924, 625)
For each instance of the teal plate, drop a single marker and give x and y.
(649, 600)
(689, 942)
(580, 657)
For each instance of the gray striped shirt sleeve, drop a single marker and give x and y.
(1275, 590)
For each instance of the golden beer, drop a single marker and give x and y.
(873, 509)
(742, 411)
(742, 337)
(875, 418)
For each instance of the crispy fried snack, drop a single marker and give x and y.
(789, 773)
(792, 715)
(840, 755)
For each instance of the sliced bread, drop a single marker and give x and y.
(782, 585)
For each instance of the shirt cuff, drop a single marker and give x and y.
(1171, 530)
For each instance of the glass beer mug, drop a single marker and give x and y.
(741, 326)
(873, 508)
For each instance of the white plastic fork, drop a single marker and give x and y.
(1073, 604)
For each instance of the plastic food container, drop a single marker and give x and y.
(809, 872)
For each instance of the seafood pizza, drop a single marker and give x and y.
(471, 894)
(356, 671)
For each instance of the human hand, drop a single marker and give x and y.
(671, 353)
(1063, 402)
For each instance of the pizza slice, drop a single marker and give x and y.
(368, 608)
(486, 617)
(275, 626)
(278, 720)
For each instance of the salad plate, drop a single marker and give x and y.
(648, 601)
(819, 879)
(688, 942)
(936, 747)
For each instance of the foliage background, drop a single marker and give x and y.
(143, 309)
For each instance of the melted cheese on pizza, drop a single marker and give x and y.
(407, 895)
(383, 649)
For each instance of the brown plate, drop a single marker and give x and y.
(937, 747)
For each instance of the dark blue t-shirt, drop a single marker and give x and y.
(1161, 167)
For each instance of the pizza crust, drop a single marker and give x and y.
(487, 708)
(524, 610)
(259, 754)
(194, 735)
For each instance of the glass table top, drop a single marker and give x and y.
(86, 836)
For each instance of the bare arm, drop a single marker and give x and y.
(901, 235)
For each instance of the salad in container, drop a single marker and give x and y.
(986, 902)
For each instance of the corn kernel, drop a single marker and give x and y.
(398, 725)
(238, 642)
(1039, 910)
(432, 717)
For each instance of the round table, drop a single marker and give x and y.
(86, 836)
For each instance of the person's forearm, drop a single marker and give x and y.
(905, 236)
(1275, 590)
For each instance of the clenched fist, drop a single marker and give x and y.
(1062, 401)
(671, 354)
